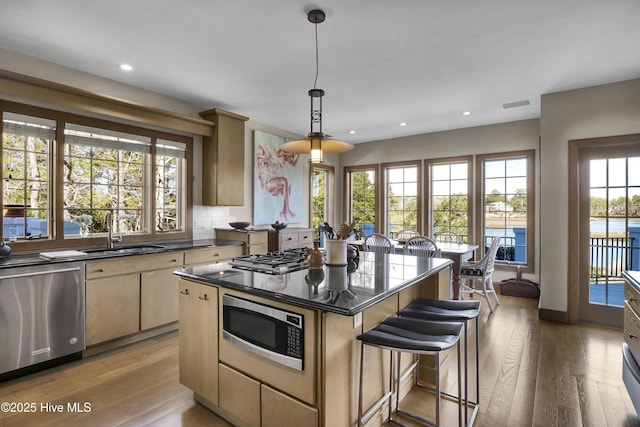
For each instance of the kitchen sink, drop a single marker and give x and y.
(125, 250)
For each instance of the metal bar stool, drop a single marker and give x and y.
(452, 311)
(416, 337)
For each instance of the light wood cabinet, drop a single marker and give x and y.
(158, 298)
(255, 241)
(198, 339)
(223, 159)
(133, 264)
(290, 238)
(280, 410)
(240, 395)
(632, 319)
(112, 307)
(125, 295)
(212, 255)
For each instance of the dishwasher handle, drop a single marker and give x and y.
(39, 273)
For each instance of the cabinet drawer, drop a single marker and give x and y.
(133, 264)
(239, 395)
(288, 239)
(280, 410)
(212, 255)
(632, 296)
(305, 238)
(257, 238)
(632, 330)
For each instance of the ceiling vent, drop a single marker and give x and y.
(516, 104)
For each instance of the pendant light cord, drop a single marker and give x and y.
(316, 80)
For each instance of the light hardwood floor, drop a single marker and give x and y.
(533, 372)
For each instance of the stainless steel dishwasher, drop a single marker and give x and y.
(41, 313)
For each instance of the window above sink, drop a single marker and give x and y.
(137, 174)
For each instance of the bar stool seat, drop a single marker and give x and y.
(448, 311)
(416, 337)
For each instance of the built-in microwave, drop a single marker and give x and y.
(264, 330)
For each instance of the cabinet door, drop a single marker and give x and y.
(113, 307)
(240, 396)
(198, 338)
(223, 159)
(158, 298)
(280, 410)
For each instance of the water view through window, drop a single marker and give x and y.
(614, 227)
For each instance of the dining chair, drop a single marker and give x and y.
(448, 237)
(405, 235)
(377, 242)
(480, 271)
(422, 246)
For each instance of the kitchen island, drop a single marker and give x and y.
(336, 303)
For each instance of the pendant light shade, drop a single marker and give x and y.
(316, 143)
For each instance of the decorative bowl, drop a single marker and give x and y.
(280, 226)
(239, 225)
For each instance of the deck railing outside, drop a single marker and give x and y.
(611, 257)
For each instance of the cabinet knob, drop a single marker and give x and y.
(100, 270)
(632, 336)
(185, 292)
(174, 260)
(290, 238)
(216, 254)
(204, 297)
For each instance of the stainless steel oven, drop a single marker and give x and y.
(268, 331)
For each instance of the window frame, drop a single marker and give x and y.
(428, 163)
(348, 212)
(329, 195)
(56, 181)
(529, 155)
(385, 167)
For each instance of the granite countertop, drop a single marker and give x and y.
(20, 260)
(342, 290)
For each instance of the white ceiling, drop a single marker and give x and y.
(382, 62)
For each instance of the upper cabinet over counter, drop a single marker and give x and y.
(223, 159)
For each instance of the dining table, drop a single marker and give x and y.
(456, 252)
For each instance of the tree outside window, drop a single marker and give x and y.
(449, 196)
(361, 192)
(402, 196)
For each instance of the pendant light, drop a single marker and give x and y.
(316, 143)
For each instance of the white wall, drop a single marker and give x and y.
(606, 110)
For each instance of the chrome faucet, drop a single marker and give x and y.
(110, 239)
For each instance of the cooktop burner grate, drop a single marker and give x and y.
(273, 262)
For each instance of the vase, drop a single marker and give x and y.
(336, 251)
(84, 230)
(315, 256)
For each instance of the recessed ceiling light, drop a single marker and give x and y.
(126, 67)
(466, 113)
(403, 124)
(352, 132)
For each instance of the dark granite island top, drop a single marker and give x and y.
(333, 288)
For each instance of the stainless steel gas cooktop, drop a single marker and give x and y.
(273, 262)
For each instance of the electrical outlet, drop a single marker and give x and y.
(357, 320)
(200, 223)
